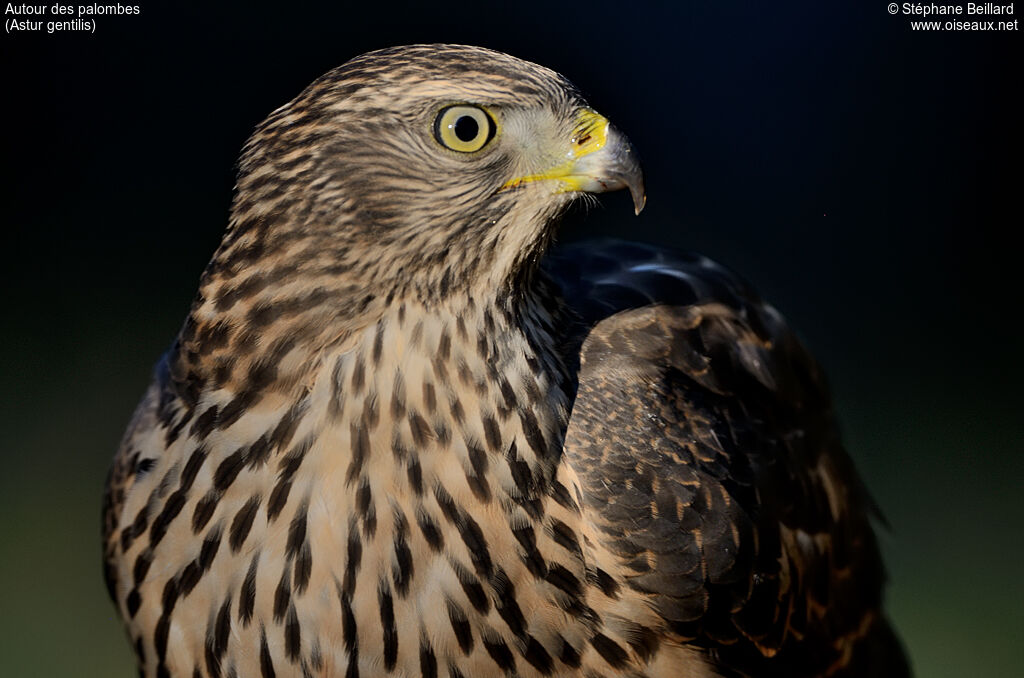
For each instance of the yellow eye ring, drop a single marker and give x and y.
(465, 129)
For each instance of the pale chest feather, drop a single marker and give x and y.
(405, 511)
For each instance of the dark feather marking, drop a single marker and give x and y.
(505, 603)
(364, 497)
(278, 498)
(204, 510)
(292, 635)
(509, 395)
(428, 661)
(563, 579)
(477, 459)
(204, 423)
(440, 370)
(604, 581)
(403, 569)
(163, 627)
(472, 588)
(538, 657)
(560, 493)
(228, 470)
(190, 576)
(444, 344)
(371, 413)
(458, 415)
(430, 530)
(358, 375)
(532, 431)
(236, 408)
(354, 554)
(259, 452)
(378, 343)
(469, 530)
(398, 449)
(266, 661)
(491, 433)
(175, 431)
(390, 633)
(172, 507)
(370, 522)
(283, 594)
(416, 336)
(283, 433)
(303, 567)
(568, 655)
(360, 438)
(461, 627)
(482, 347)
(136, 529)
(500, 653)
(610, 650)
(212, 660)
(415, 475)
(242, 523)
(644, 641)
(447, 504)
(192, 466)
(211, 544)
(223, 629)
(442, 433)
(398, 396)
(247, 596)
(522, 476)
(479, 486)
(141, 567)
(419, 428)
(132, 602)
(348, 623)
(297, 531)
(429, 397)
(288, 465)
(565, 537)
(531, 556)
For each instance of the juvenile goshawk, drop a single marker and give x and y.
(397, 437)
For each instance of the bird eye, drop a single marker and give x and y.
(464, 128)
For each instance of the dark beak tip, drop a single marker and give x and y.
(639, 201)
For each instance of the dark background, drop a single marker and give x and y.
(864, 177)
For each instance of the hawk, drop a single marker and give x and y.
(398, 436)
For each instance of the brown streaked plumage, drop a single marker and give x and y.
(397, 436)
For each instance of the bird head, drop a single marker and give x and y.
(421, 171)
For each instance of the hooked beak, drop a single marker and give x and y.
(601, 159)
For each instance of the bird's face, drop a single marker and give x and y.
(453, 160)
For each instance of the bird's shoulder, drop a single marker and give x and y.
(703, 437)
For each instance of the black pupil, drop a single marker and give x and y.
(466, 128)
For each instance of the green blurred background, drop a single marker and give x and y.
(866, 178)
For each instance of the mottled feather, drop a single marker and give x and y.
(398, 436)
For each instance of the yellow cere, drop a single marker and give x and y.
(589, 135)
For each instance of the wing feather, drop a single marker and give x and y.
(703, 436)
